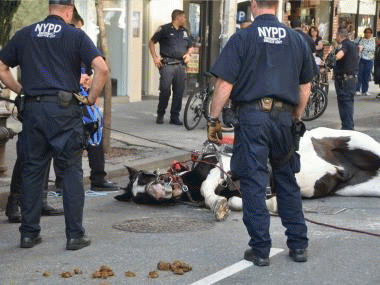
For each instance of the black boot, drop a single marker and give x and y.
(13, 211)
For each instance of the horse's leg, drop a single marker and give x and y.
(272, 205)
(216, 203)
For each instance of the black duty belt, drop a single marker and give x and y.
(172, 61)
(345, 76)
(267, 104)
(63, 98)
(42, 98)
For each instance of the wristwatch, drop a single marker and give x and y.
(213, 121)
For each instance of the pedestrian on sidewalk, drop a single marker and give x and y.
(297, 26)
(49, 54)
(367, 47)
(176, 46)
(346, 77)
(270, 99)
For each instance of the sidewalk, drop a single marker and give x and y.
(128, 150)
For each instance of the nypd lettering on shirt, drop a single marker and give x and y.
(272, 35)
(47, 30)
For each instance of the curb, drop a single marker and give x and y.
(158, 164)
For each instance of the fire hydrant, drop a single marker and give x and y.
(5, 135)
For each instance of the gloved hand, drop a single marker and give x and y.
(83, 99)
(214, 130)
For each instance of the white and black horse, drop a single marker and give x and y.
(208, 182)
(332, 162)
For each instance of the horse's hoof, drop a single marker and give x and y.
(272, 205)
(221, 209)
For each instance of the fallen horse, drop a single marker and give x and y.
(337, 162)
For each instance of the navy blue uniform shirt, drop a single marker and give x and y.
(349, 63)
(266, 59)
(50, 54)
(173, 43)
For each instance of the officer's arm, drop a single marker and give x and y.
(339, 55)
(304, 94)
(7, 78)
(222, 93)
(187, 56)
(153, 52)
(101, 74)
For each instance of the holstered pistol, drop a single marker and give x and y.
(266, 104)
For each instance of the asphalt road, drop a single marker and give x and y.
(213, 249)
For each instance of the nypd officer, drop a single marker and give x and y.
(50, 54)
(266, 70)
(175, 51)
(346, 72)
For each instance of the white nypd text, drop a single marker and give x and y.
(47, 30)
(272, 35)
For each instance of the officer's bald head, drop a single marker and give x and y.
(64, 11)
(259, 7)
(266, 3)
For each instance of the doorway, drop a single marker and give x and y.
(203, 24)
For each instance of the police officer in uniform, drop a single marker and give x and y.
(346, 72)
(50, 54)
(96, 157)
(175, 51)
(296, 25)
(266, 70)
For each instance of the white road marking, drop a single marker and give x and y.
(231, 270)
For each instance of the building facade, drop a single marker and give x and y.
(131, 23)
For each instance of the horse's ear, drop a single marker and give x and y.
(132, 171)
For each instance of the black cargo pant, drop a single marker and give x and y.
(96, 161)
(171, 77)
(262, 135)
(16, 181)
(51, 129)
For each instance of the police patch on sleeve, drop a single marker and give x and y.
(47, 30)
(272, 35)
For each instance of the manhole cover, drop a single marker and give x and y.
(164, 225)
(325, 210)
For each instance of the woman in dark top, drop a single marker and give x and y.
(314, 34)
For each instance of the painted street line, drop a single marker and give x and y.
(231, 270)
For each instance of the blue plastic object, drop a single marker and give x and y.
(93, 121)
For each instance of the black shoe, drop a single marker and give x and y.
(298, 255)
(176, 122)
(258, 261)
(77, 243)
(104, 186)
(48, 210)
(160, 119)
(13, 210)
(29, 242)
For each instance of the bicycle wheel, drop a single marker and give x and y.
(316, 106)
(225, 126)
(325, 83)
(193, 110)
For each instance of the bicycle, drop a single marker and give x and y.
(198, 105)
(316, 105)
